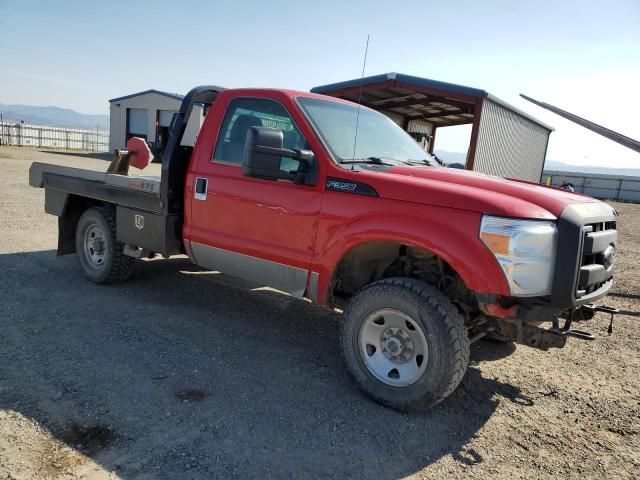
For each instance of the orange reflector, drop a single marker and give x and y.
(497, 243)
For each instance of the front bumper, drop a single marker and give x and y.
(582, 275)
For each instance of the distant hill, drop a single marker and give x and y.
(565, 167)
(457, 157)
(52, 116)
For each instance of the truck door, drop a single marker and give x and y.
(260, 230)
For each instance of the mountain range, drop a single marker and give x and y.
(53, 116)
(457, 157)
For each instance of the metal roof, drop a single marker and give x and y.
(426, 82)
(175, 96)
(441, 103)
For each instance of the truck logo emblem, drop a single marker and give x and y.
(139, 221)
(338, 185)
(346, 186)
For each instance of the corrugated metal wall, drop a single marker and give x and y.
(151, 102)
(420, 126)
(608, 187)
(396, 117)
(509, 145)
(414, 126)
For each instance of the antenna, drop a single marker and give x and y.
(364, 64)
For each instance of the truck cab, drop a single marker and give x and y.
(329, 200)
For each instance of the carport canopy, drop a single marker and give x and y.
(415, 98)
(406, 99)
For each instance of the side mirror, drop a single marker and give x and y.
(263, 154)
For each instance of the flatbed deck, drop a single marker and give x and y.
(141, 192)
(143, 183)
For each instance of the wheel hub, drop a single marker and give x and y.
(393, 347)
(94, 245)
(396, 344)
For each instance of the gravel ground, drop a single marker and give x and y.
(182, 373)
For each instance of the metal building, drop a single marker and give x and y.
(505, 141)
(148, 115)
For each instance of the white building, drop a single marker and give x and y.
(148, 115)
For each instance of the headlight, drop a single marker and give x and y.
(526, 251)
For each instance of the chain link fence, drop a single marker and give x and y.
(38, 136)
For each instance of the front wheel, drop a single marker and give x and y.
(100, 255)
(405, 343)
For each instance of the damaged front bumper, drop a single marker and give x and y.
(529, 330)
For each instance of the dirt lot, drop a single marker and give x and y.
(182, 373)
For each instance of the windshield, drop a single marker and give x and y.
(378, 136)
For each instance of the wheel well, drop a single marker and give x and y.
(68, 222)
(374, 261)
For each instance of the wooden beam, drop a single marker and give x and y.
(471, 154)
(437, 92)
(432, 140)
(442, 113)
(423, 102)
(450, 123)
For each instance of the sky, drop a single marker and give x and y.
(582, 56)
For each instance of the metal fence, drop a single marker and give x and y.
(38, 136)
(606, 187)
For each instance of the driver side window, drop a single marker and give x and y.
(244, 113)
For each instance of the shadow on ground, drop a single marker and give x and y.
(182, 373)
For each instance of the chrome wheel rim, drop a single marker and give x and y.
(393, 347)
(94, 246)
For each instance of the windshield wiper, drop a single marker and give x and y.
(389, 161)
(371, 160)
(425, 162)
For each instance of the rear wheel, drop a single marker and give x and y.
(100, 255)
(404, 343)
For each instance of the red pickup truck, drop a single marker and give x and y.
(325, 199)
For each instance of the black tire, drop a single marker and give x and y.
(443, 328)
(115, 266)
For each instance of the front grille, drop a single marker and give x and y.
(594, 270)
(600, 226)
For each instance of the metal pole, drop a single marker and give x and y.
(594, 127)
(619, 188)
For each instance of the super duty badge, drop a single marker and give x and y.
(347, 186)
(339, 185)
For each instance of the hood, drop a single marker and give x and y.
(474, 191)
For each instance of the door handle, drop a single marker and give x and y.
(200, 190)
